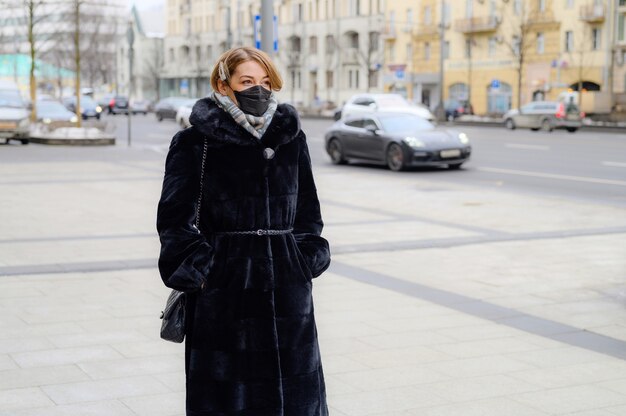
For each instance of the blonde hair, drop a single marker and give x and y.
(232, 58)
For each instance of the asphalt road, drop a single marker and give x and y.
(586, 165)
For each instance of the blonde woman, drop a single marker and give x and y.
(251, 342)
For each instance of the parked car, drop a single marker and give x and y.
(140, 106)
(14, 114)
(168, 107)
(370, 103)
(106, 102)
(399, 140)
(183, 113)
(545, 115)
(118, 104)
(88, 107)
(456, 108)
(50, 110)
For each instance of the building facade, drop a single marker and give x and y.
(494, 54)
(326, 49)
(148, 61)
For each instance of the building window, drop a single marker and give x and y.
(329, 79)
(409, 19)
(469, 8)
(373, 79)
(374, 38)
(517, 7)
(596, 39)
(427, 51)
(542, 5)
(209, 52)
(492, 46)
(409, 52)
(620, 27)
(392, 52)
(540, 43)
(356, 78)
(468, 48)
(492, 8)
(427, 15)
(569, 4)
(569, 41)
(517, 45)
(330, 44)
(446, 49)
(358, 7)
(446, 14)
(198, 54)
(313, 45)
(350, 78)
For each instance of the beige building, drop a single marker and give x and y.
(327, 49)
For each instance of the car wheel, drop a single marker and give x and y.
(509, 124)
(336, 152)
(572, 129)
(546, 126)
(534, 129)
(455, 166)
(395, 157)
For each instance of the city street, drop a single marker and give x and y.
(497, 289)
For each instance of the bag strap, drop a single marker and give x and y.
(204, 150)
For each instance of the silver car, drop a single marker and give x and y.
(545, 115)
(14, 114)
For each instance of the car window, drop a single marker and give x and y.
(362, 101)
(528, 107)
(11, 98)
(368, 122)
(391, 101)
(358, 123)
(405, 123)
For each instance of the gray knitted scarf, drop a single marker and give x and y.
(256, 126)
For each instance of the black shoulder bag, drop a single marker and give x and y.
(173, 316)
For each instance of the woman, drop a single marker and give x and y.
(251, 342)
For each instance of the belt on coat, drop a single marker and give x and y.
(259, 232)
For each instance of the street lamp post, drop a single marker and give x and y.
(130, 37)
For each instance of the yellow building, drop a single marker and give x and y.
(498, 53)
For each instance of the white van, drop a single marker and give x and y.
(14, 114)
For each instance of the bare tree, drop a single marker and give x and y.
(153, 63)
(519, 16)
(370, 56)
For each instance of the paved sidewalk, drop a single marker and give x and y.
(440, 301)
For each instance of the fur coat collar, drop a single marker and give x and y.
(221, 130)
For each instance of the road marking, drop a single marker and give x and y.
(527, 146)
(615, 164)
(554, 176)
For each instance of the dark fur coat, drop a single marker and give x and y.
(251, 341)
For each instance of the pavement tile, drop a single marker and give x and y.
(90, 391)
(500, 406)
(475, 388)
(6, 362)
(577, 374)
(174, 381)
(392, 377)
(29, 331)
(34, 377)
(554, 357)
(384, 401)
(405, 339)
(170, 404)
(105, 338)
(14, 399)
(148, 348)
(570, 399)
(63, 356)
(486, 347)
(132, 367)
(617, 385)
(24, 344)
(106, 408)
(399, 356)
(479, 366)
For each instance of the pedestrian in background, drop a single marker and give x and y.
(251, 342)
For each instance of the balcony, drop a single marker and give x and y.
(544, 19)
(388, 32)
(350, 56)
(426, 31)
(477, 24)
(592, 13)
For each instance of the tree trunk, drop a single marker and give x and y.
(33, 81)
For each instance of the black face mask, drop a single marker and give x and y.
(253, 100)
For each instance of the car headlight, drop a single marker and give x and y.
(74, 119)
(99, 109)
(47, 121)
(463, 138)
(414, 142)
